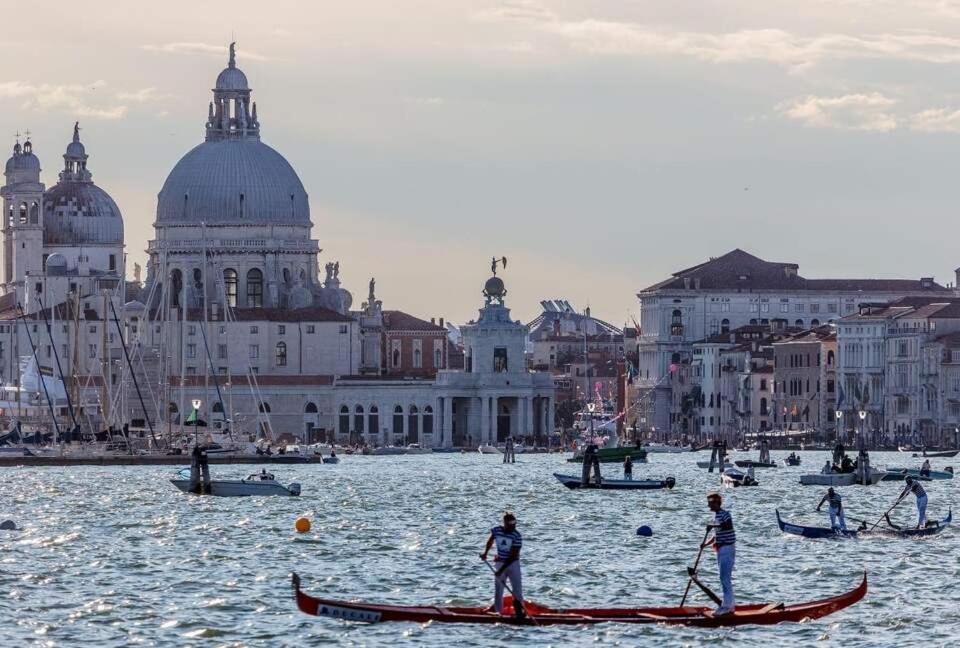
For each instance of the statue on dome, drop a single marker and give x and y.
(372, 297)
(233, 55)
(502, 262)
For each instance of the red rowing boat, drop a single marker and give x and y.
(755, 613)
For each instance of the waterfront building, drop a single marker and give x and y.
(739, 289)
(805, 378)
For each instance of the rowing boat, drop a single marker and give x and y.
(749, 463)
(539, 615)
(932, 528)
(617, 484)
(899, 474)
(942, 453)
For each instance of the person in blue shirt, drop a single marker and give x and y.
(507, 561)
(913, 486)
(724, 541)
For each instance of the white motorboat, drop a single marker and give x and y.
(489, 449)
(839, 479)
(666, 447)
(388, 450)
(735, 478)
(415, 449)
(257, 484)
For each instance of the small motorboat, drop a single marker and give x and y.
(540, 615)
(332, 459)
(489, 449)
(932, 528)
(257, 484)
(415, 449)
(666, 447)
(839, 479)
(749, 463)
(899, 474)
(574, 483)
(792, 460)
(735, 478)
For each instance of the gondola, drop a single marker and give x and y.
(749, 463)
(539, 615)
(932, 528)
(942, 453)
(617, 484)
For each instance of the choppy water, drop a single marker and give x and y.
(118, 556)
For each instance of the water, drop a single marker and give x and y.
(118, 556)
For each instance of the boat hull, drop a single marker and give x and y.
(706, 464)
(539, 615)
(748, 463)
(574, 483)
(943, 453)
(890, 529)
(239, 488)
(839, 479)
(899, 474)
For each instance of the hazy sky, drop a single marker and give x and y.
(599, 145)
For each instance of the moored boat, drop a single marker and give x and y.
(617, 484)
(749, 463)
(416, 449)
(539, 615)
(941, 453)
(614, 455)
(257, 484)
(489, 449)
(792, 460)
(899, 474)
(666, 447)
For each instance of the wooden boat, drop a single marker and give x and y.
(540, 615)
(932, 528)
(734, 478)
(792, 461)
(666, 447)
(899, 474)
(749, 463)
(706, 464)
(839, 479)
(617, 484)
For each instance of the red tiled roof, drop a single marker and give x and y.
(739, 270)
(394, 320)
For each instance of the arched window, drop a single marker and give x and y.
(396, 358)
(358, 426)
(374, 422)
(264, 407)
(799, 323)
(218, 408)
(398, 422)
(417, 360)
(830, 358)
(230, 286)
(724, 325)
(254, 289)
(428, 420)
(23, 213)
(344, 425)
(176, 287)
(763, 407)
(311, 408)
(814, 323)
(281, 354)
(437, 359)
(676, 323)
(413, 425)
(34, 213)
(753, 322)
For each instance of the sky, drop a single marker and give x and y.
(600, 146)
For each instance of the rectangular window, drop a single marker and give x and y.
(222, 371)
(255, 370)
(254, 351)
(764, 308)
(222, 351)
(93, 328)
(93, 351)
(753, 308)
(814, 308)
(113, 262)
(311, 329)
(798, 308)
(725, 307)
(500, 359)
(281, 329)
(192, 329)
(223, 330)
(191, 371)
(832, 307)
(784, 308)
(343, 329)
(281, 354)
(191, 350)
(254, 330)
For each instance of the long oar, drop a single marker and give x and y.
(523, 605)
(890, 510)
(696, 564)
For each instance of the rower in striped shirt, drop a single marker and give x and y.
(913, 486)
(724, 542)
(835, 503)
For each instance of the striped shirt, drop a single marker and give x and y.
(917, 489)
(721, 535)
(506, 541)
(834, 500)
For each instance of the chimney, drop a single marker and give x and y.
(441, 323)
(433, 321)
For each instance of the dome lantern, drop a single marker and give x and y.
(229, 115)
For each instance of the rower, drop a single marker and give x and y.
(509, 541)
(724, 542)
(913, 486)
(628, 468)
(836, 509)
(925, 468)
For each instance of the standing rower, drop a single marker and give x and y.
(925, 468)
(628, 468)
(913, 486)
(724, 542)
(836, 509)
(509, 541)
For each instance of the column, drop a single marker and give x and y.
(484, 420)
(527, 419)
(550, 426)
(542, 404)
(494, 421)
(448, 422)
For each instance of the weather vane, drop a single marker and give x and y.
(502, 262)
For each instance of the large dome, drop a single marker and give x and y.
(80, 213)
(236, 181)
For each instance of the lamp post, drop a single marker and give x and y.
(196, 402)
(590, 407)
(863, 418)
(839, 415)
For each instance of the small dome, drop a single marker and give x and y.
(25, 161)
(494, 287)
(232, 79)
(81, 213)
(76, 150)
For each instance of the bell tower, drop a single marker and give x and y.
(22, 222)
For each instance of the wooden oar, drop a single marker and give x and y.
(507, 587)
(696, 564)
(890, 510)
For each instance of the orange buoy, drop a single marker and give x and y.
(302, 525)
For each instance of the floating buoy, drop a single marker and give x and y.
(645, 531)
(302, 525)
(8, 525)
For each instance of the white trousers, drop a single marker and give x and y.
(922, 510)
(511, 573)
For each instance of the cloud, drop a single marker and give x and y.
(424, 101)
(777, 46)
(142, 95)
(202, 48)
(859, 112)
(74, 99)
(936, 120)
